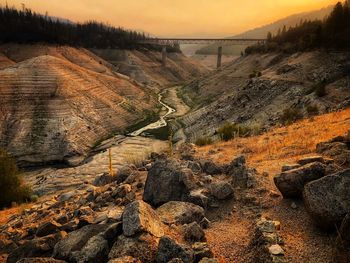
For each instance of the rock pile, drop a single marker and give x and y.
(108, 221)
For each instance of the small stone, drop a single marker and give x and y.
(276, 250)
(193, 232)
(48, 228)
(294, 206)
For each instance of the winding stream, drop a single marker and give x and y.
(158, 124)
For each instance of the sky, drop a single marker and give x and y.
(176, 18)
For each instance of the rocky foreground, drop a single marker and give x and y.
(162, 210)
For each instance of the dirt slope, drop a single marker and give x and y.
(54, 110)
(234, 94)
(145, 66)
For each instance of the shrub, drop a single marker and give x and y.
(291, 115)
(230, 130)
(202, 141)
(11, 186)
(312, 110)
(319, 89)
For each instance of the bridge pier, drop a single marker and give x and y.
(219, 57)
(164, 56)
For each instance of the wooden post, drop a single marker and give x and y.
(219, 57)
(164, 56)
(110, 162)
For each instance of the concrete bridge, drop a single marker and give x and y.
(164, 42)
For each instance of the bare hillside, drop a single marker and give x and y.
(55, 110)
(256, 89)
(145, 66)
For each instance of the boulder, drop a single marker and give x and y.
(164, 183)
(95, 250)
(140, 217)
(288, 167)
(209, 260)
(201, 250)
(238, 171)
(123, 173)
(126, 259)
(48, 228)
(69, 247)
(40, 247)
(328, 199)
(175, 212)
(142, 247)
(40, 260)
(193, 232)
(169, 249)
(122, 190)
(104, 179)
(291, 183)
(343, 239)
(209, 167)
(198, 197)
(221, 190)
(310, 159)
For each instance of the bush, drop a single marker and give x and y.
(312, 110)
(11, 186)
(229, 131)
(319, 89)
(291, 115)
(202, 141)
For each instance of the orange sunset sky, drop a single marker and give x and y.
(176, 18)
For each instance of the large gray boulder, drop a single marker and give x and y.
(168, 249)
(328, 199)
(140, 217)
(165, 183)
(142, 247)
(175, 212)
(291, 183)
(83, 245)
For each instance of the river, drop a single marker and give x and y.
(158, 124)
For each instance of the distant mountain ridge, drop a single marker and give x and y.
(292, 20)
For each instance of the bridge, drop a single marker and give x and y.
(164, 42)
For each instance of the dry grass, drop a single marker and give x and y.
(267, 152)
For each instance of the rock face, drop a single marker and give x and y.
(140, 217)
(175, 212)
(164, 183)
(291, 183)
(168, 249)
(328, 199)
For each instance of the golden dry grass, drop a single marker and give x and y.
(269, 151)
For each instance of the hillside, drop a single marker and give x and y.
(59, 101)
(255, 90)
(143, 66)
(289, 21)
(261, 32)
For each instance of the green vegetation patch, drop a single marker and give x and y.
(12, 188)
